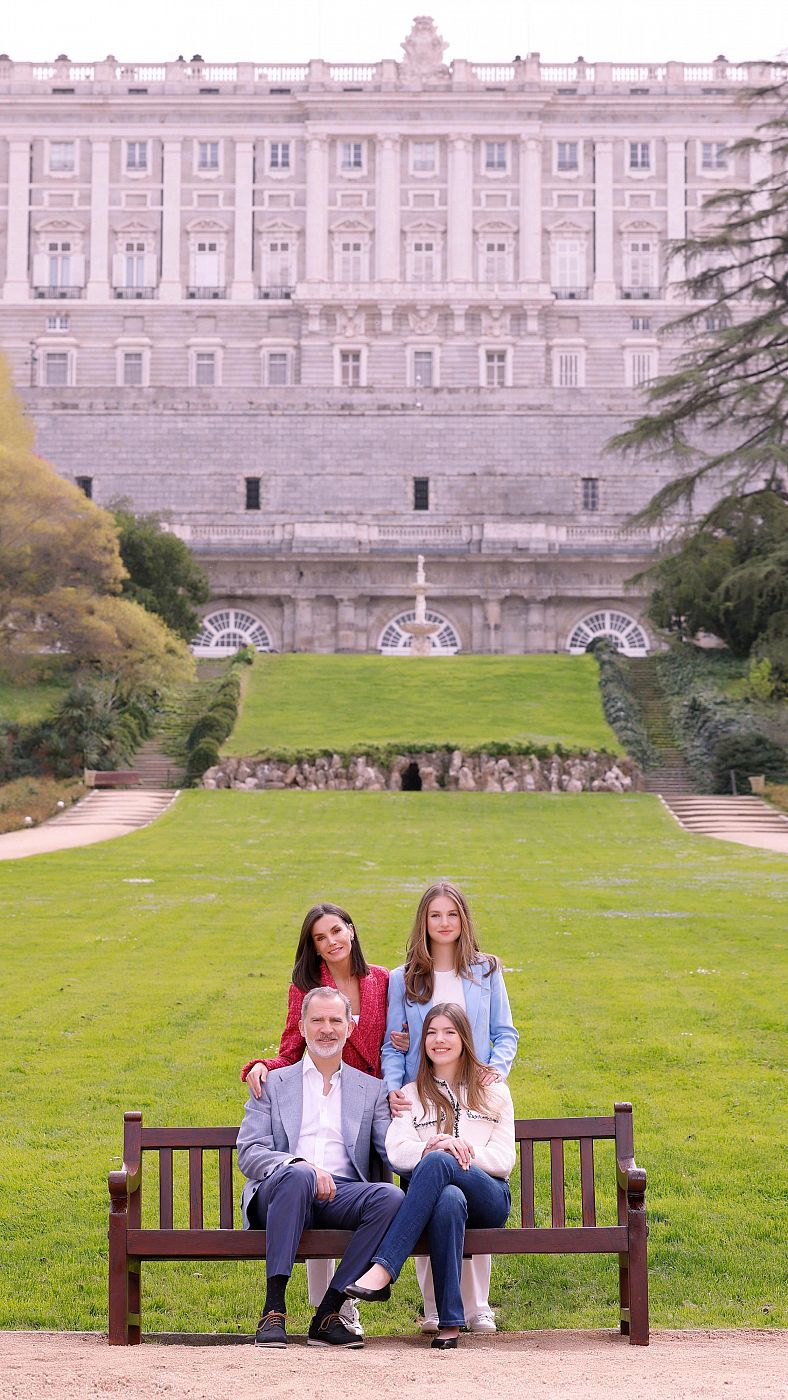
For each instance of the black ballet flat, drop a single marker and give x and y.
(444, 1344)
(369, 1295)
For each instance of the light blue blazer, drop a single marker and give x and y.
(487, 1007)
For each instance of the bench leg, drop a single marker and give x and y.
(118, 1283)
(638, 1278)
(135, 1310)
(623, 1292)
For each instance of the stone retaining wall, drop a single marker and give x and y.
(430, 771)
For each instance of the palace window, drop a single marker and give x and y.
(423, 369)
(640, 155)
(350, 368)
(495, 157)
(495, 366)
(423, 260)
(58, 369)
(62, 157)
(205, 368)
(85, 485)
(279, 263)
(567, 156)
(136, 155)
(568, 368)
(713, 155)
(252, 488)
(641, 323)
(278, 370)
(207, 156)
(58, 323)
(206, 263)
(133, 368)
(421, 493)
(351, 157)
(423, 157)
(279, 155)
(351, 258)
(640, 266)
(590, 493)
(569, 265)
(640, 367)
(495, 261)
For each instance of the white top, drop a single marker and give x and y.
(320, 1140)
(447, 986)
(491, 1134)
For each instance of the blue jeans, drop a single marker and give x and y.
(442, 1199)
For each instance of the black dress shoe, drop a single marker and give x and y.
(369, 1295)
(443, 1344)
(330, 1331)
(271, 1330)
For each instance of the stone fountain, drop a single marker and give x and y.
(420, 629)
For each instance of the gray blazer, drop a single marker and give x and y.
(268, 1136)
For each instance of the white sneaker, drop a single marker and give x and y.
(429, 1323)
(483, 1321)
(349, 1315)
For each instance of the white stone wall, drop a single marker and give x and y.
(144, 213)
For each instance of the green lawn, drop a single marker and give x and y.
(30, 701)
(641, 962)
(322, 702)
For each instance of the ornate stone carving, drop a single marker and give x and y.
(350, 321)
(423, 320)
(495, 321)
(424, 49)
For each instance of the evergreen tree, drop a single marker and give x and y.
(163, 574)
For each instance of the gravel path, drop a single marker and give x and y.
(697, 1365)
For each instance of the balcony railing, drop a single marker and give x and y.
(570, 293)
(134, 293)
(641, 293)
(58, 293)
(275, 293)
(206, 293)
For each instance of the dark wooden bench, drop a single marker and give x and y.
(118, 777)
(130, 1244)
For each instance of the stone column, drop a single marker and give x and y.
(303, 624)
(531, 209)
(17, 282)
(288, 624)
(346, 623)
(677, 208)
(98, 282)
(460, 210)
(242, 286)
(534, 627)
(317, 209)
(492, 617)
(387, 210)
(171, 287)
(604, 280)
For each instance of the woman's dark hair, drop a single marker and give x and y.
(308, 964)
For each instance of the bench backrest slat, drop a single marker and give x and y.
(548, 1129)
(587, 1191)
(527, 1183)
(557, 1191)
(225, 1188)
(195, 1188)
(165, 1188)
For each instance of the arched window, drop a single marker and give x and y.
(394, 641)
(223, 633)
(624, 632)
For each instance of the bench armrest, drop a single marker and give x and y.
(631, 1178)
(123, 1184)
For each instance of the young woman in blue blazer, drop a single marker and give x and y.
(443, 963)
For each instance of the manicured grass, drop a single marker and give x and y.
(641, 964)
(35, 797)
(29, 701)
(297, 703)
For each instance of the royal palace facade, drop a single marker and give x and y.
(320, 318)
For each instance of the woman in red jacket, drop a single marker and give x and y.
(329, 955)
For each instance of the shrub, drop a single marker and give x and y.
(244, 657)
(760, 680)
(209, 726)
(621, 707)
(204, 755)
(747, 754)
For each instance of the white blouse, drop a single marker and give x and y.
(447, 987)
(491, 1134)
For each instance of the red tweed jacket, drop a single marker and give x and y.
(362, 1050)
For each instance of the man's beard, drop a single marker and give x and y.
(323, 1049)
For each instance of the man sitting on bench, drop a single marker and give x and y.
(304, 1146)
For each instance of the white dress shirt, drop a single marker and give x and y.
(320, 1140)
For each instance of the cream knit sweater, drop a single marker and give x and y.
(491, 1134)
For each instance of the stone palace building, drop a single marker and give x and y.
(321, 317)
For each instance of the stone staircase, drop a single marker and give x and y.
(157, 770)
(747, 819)
(670, 776)
(117, 811)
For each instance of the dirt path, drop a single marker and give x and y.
(742, 1365)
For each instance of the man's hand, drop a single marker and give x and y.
(256, 1078)
(399, 1103)
(325, 1186)
(457, 1147)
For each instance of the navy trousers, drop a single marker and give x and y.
(285, 1204)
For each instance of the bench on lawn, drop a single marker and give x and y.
(130, 1243)
(118, 777)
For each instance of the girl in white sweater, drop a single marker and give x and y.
(458, 1143)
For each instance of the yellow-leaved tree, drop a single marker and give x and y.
(61, 571)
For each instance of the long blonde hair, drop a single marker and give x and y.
(419, 969)
(471, 1092)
